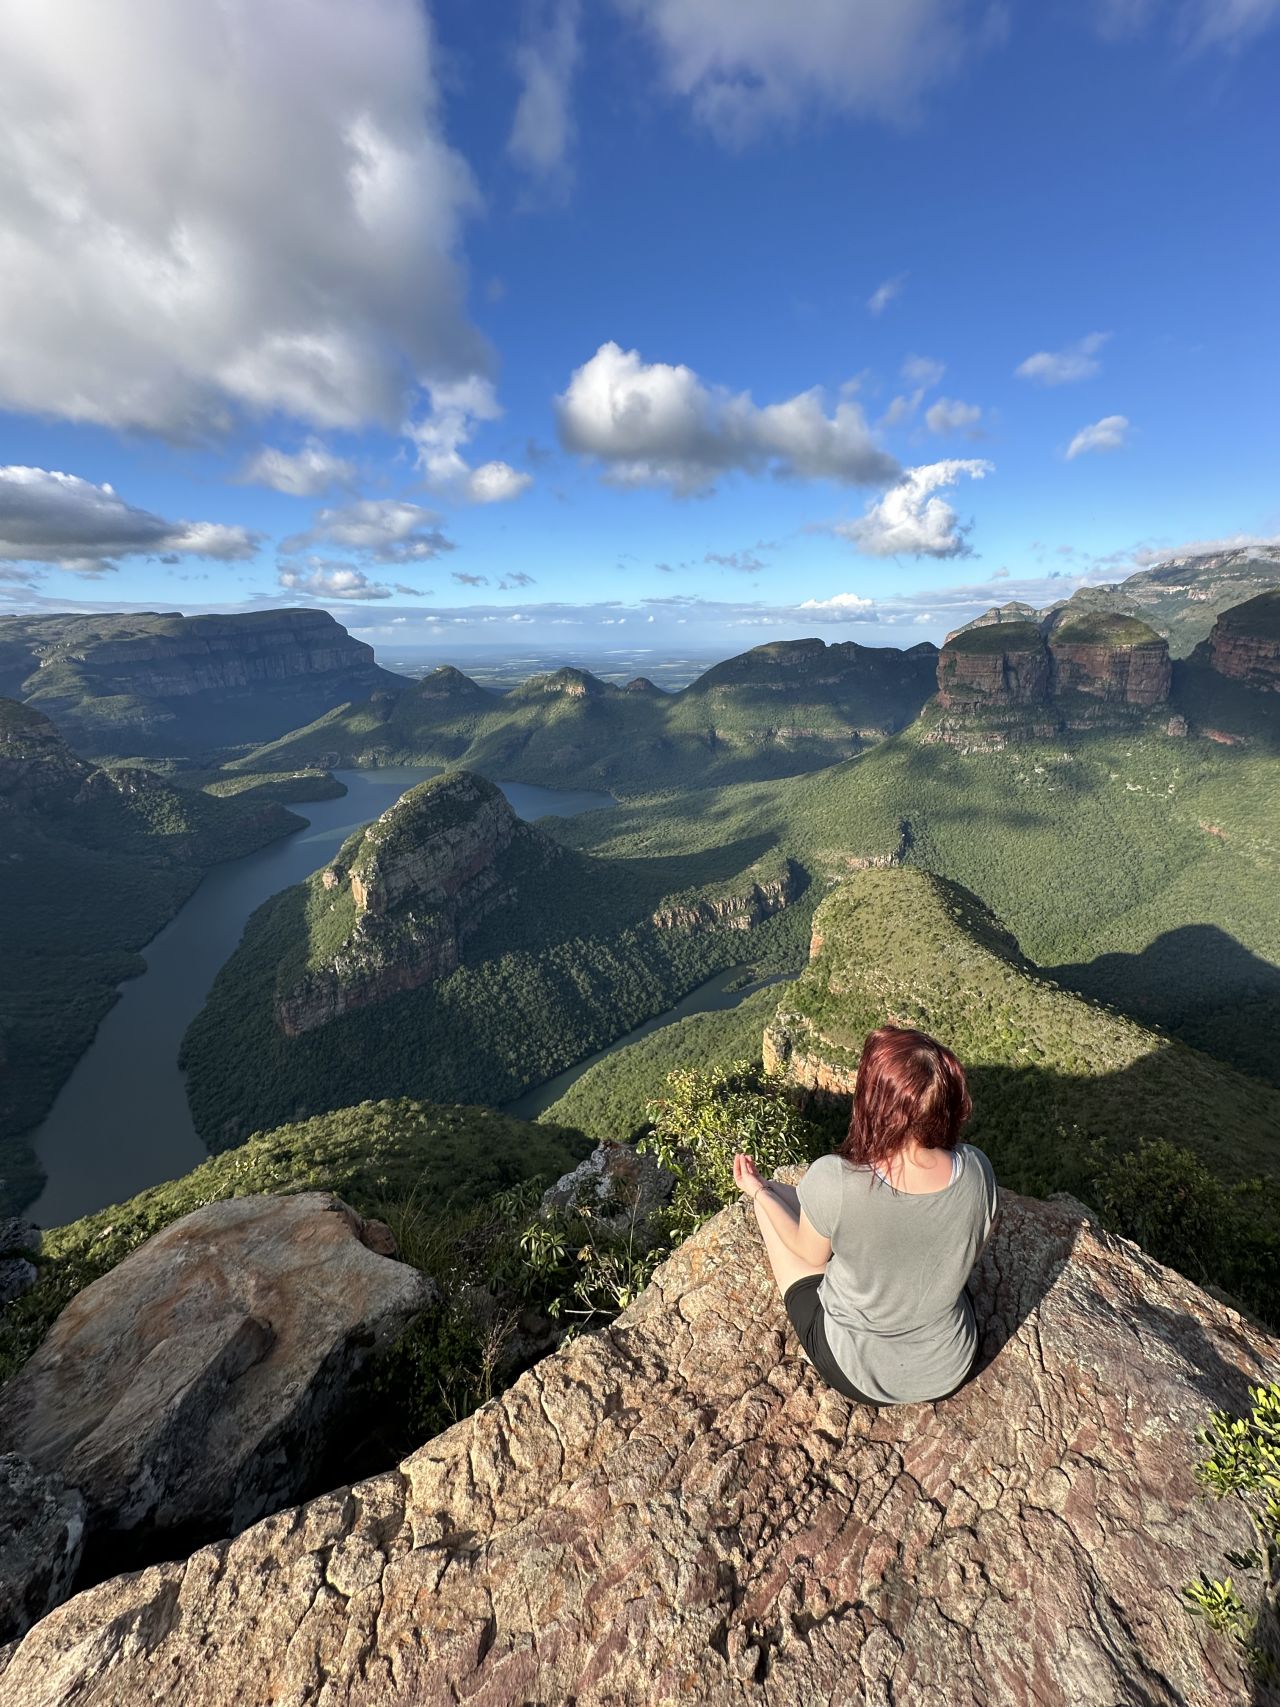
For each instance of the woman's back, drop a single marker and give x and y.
(897, 1317)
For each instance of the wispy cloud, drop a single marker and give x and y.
(1063, 367)
(745, 67)
(1110, 433)
(386, 530)
(306, 473)
(542, 131)
(885, 292)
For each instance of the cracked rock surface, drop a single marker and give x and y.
(676, 1509)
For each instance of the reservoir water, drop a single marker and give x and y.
(121, 1121)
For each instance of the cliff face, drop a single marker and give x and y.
(676, 1508)
(1245, 643)
(421, 879)
(1058, 666)
(753, 900)
(119, 683)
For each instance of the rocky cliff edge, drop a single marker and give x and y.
(675, 1508)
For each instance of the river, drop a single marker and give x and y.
(121, 1121)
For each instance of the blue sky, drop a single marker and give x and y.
(711, 319)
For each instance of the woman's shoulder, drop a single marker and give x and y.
(972, 1157)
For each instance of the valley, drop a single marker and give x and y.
(1114, 805)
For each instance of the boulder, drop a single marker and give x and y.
(675, 1508)
(41, 1539)
(192, 1387)
(617, 1184)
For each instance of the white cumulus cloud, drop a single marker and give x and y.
(306, 473)
(654, 424)
(911, 520)
(50, 517)
(747, 64)
(386, 530)
(455, 412)
(1062, 367)
(206, 208)
(1110, 433)
(847, 607)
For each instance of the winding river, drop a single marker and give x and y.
(121, 1121)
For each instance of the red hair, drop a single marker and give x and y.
(909, 1087)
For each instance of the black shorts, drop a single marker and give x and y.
(804, 1310)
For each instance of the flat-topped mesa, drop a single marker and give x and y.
(162, 682)
(1059, 664)
(421, 878)
(1109, 657)
(997, 664)
(1245, 643)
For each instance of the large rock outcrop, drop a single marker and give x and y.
(192, 1386)
(153, 681)
(421, 879)
(1112, 658)
(1069, 670)
(676, 1509)
(1001, 664)
(1245, 643)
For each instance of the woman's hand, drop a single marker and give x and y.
(746, 1176)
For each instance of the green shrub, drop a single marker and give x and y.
(708, 1114)
(1243, 1462)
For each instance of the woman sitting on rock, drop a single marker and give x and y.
(872, 1251)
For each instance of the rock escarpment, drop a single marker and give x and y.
(1071, 671)
(676, 1509)
(192, 1387)
(1245, 643)
(418, 882)
(754, 897)
(150, 681)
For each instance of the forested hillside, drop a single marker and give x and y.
(787, 707)
(95, 861)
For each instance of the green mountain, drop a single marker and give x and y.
(1100, 839)
(95, 861)
(454, 953)
(163, 684)
(787, 707)
(1062, 1088)
(1179, 599)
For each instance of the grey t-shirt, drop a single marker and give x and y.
(897, 1317)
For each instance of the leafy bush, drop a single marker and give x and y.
(708, 1114)
(1165, 1199)
(1243, 1462)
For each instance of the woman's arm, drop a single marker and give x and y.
(780, 1205)
(793, 1226)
